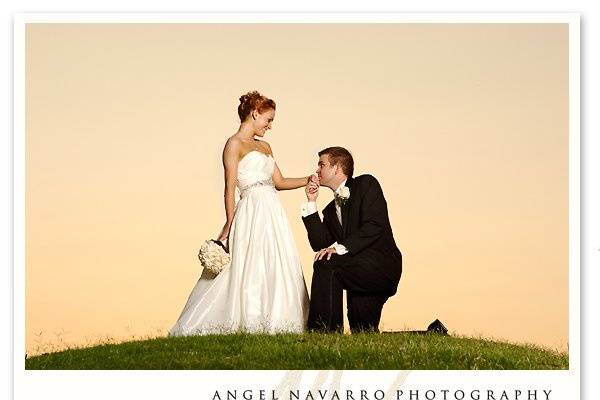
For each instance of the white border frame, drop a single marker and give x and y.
(161, 384)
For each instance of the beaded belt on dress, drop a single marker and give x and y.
(264, 182)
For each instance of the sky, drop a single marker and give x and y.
(464, 125)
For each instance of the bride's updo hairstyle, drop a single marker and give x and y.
(254, 101)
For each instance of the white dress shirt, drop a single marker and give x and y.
(310, 207)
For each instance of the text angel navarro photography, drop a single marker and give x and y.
(398, 394)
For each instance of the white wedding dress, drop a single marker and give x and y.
(263, 290)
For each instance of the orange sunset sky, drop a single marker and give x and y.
(464, 125)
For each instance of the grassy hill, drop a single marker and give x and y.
(398, 351)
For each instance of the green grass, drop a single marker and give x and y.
(398, 351)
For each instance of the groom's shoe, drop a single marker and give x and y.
(319, 325)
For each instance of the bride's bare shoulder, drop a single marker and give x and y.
(232, 150)
(233, 141)
(233, 144)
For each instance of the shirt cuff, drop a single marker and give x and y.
(308, 208)
(339, 248)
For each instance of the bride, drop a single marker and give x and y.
(263, 289)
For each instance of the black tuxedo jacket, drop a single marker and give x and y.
(365, 229)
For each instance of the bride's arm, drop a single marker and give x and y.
(282, 183)
(230, 165)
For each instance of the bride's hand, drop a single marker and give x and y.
(314, 178)
(224, 233)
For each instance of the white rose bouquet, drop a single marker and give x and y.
(213, 256)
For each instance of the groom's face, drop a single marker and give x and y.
(326, 171)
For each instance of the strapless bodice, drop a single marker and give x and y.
(255, 169)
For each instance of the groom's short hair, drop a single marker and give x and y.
(340, 156)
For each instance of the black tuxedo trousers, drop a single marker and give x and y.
(369, 272)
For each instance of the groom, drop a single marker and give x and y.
(355, 247)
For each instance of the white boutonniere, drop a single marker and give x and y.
(342, 195)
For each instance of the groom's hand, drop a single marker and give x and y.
(325, 252)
